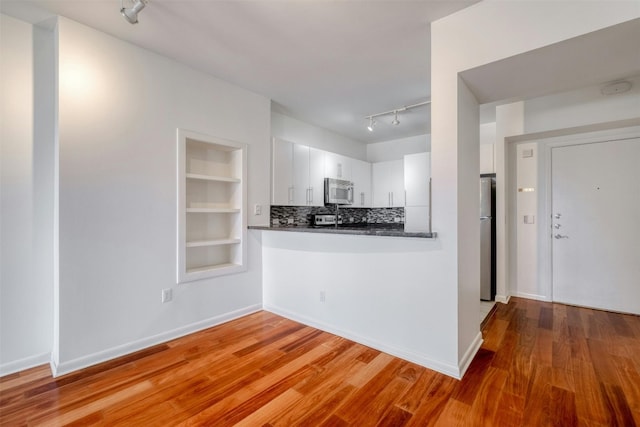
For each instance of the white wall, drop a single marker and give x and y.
(482, 34)
(581, 107)
(384, 292)
(396, 149)
(25, 298)
(117, 211)
(294, 130)
(119, 108)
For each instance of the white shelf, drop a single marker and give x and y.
(215, 267)
(216, 242)
(212, 214)
(212, 210)
(212, 178)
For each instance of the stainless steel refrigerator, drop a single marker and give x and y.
(487, 237)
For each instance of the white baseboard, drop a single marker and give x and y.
(444, 368)
(470, 354)
(533, 296)
(26, 363)
(112, 353)
(504, 299)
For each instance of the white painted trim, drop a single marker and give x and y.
(26, 363)
(112, 353)
(533, 296)
(444, 368)
(504, 299)
(466, 360)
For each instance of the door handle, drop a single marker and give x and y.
(560, 236)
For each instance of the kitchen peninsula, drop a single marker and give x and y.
(384, 292)
(387, 230)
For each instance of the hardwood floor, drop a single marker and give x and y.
(540, 364)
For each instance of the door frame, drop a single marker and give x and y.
(545, 240)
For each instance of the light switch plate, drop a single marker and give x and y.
(527, 153)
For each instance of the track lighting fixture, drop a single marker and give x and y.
(372, 123)
(395, 112)
(131, 13)
(395, 121)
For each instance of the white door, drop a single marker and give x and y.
(596, 225)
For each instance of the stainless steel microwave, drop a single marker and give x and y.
(338, 192)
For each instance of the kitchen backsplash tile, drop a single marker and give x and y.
(301, 215)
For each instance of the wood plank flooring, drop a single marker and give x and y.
(541, 364)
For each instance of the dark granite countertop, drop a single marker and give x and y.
(390, 230)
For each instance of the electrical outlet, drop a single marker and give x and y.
(289, 220)
(322, 296)
(257, 210)
(167, 295)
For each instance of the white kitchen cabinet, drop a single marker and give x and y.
(417, 173)
(282, 185)
(487, 158)
(361, 174)
(316, 177)
(300, 184)
(298, 175)
(211, 206)
(388, 184)
(337, 166)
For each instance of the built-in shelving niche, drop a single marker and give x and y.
(212, 219)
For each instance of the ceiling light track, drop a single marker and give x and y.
(395, 112)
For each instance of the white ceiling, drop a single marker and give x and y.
(329, 63)
(592, 59)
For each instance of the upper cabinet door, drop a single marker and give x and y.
(417, 172)
(388, 184)
(361, 172)
(316, 177)
(300, 175)
(282, 172)
(337, 166)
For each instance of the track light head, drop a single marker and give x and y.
(395, 121)
(131, 13)
(372, 123)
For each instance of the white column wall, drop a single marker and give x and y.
(119, 107)
(509, 121)
(25, 298)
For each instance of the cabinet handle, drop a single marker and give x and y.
(339, 170)
(290, 194)
(362, 199)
